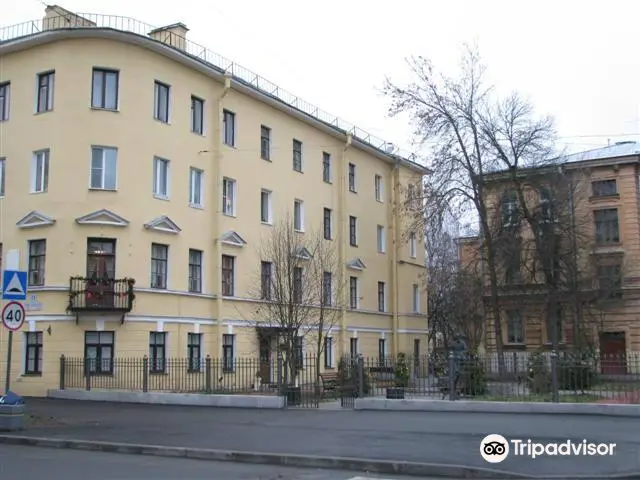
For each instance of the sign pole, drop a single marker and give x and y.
(7, 383)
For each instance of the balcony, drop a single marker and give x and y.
(100, 295)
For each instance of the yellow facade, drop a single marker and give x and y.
(82, 100)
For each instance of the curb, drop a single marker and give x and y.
(286, 460)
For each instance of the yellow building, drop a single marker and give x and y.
(138, 174)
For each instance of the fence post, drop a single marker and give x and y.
(87, 373)
(208, 374)
(62, 372)
(452, 379)
(554, 377)
(515, 364)
(280, 365)
(360, 373)
(145, 374)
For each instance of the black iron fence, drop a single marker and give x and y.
(523, 376)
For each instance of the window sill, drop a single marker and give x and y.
(379, 201)
(162, 122)
(158, 288)
(266, 159)
(604, 198)
(298, 230)
(37, 193)
(103, 109)
(32, 374)
(267, 224)
(96, 189)
(228, 145)
(353, 191)
(382, 252)
(328, 182)
(43, 112)
(231, 215)
(196, 206)
(298, 171)
(199, 134)
(354, 245)
(161, 197)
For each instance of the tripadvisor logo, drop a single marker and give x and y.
(495, 448)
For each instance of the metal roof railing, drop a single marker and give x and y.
(126, 24)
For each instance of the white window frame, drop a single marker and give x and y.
(298, 220)
(48, 106)
(157, 162)
(416, 298)
(226, 136)
(5, 88)
(104, 73)
(352, 188)
(193, 192)
(357, 231)
(268, 195)
(357, 307)
(381, 239)
(329, 157)
(103, 168)
(229, 196)
(378, 185)
(40, 185)
(156, 101)
(413, 245)
(3, 167)
(197, 129)
(384, 296)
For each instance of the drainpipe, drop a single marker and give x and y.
(395, 239)
(217, 189)
(342, 244)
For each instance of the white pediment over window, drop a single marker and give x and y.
(232, 238)
(103, 217)
(35, 219)
(163, 224)
(303, 253)
(356, 264)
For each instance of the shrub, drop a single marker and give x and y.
(538, 375)
(401, 371)
(576, 371)
(472, 380)
(348, 377)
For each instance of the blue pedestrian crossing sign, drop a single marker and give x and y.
(14, 285)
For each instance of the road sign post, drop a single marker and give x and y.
(13, 316)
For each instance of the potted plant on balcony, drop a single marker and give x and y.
(401, 378)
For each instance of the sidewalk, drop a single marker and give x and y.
(444, 438)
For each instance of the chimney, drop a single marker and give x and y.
(58, 17)
(174, 35)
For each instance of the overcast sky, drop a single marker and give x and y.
(576, 60)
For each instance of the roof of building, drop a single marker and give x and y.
(241, 76)
(616, 150)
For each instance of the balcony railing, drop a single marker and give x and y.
(239, 73)
(100, 295)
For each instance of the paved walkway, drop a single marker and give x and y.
(449, 438)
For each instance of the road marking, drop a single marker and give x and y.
(368, 478)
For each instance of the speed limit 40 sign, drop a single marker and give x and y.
(13, 315)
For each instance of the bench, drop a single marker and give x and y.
(383, 376)
(329, 381)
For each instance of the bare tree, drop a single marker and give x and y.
(299, 291)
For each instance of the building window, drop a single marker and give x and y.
(298, 215)
(229, 197)
(266, 280)
(40, 171)
(266, 207)
(33, 353)
(554, 324)
(607, 227)
(547, 206)
(101, 260)
(104, 89)
(610, 280)
(228, 273)
(416, 298)
(352, 178)
(515, 327)
(98, 352)
(377, 185)
(161, 178)
(157, 352)
(104, 168)
(159, 265)
(382, 351)
(3, 162)
(327, 223)
(604, 188)
(196, 189)
(228, 352)
(297, 284)
(297, 155)
(229, 128)
(327, 289)
(328, 352)
(195, 271)
(45, 92)
(162, 95)
(353, 293)
(413, 245)
(381, 297)
(513, 265)
(197, 115)
(381, 239)
(326, 167)
(509, 209)
(5, 89)
(265, 143)
(353, 347)
(194, 351)
(37, 260)
(353, 231)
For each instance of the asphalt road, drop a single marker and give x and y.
(446, 438)
(53, 464)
